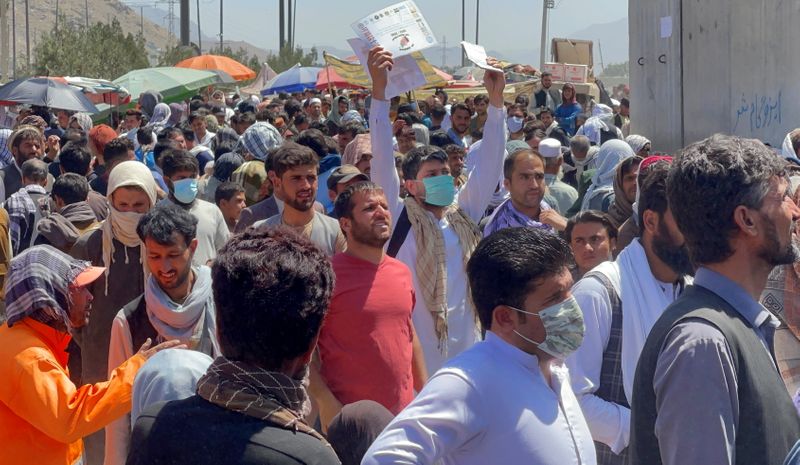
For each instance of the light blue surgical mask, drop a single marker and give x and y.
(563, 327)
(439, 190)
(185, 190)
(515, 123)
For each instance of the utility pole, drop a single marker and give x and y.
(477, 19)
(546, 5)
(444, 50)
(141, 20)
(602, 65)
(199, 37)
(220, 26)
(27, 37)
(14, 38)
(463, 31)
(185, 22)
(4, 74)
(290, 26)
(281, 24)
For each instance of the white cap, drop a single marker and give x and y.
(550, 148)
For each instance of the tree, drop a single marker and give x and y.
(173, 55)
(616, 69)
(288, 57)
(98, 51)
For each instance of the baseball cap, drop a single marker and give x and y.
(344, 173)
(88, 276)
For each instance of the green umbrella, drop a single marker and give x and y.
(174, 84)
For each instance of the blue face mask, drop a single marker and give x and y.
(515, 123)
(185, 190)
(439, 190)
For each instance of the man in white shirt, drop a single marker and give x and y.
(181, 171)
(507, 400)
(433, 218)
(202, 135)
(621, 302)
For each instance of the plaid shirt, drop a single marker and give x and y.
(22, 210)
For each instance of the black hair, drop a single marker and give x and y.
(188, 134)
(510, 264)
(315, 140)
(161, 149)
(117, 150)
(624, 102)
(321, 127)
(76, 136)
(290, 155)
(481, 98)
(144, 137)
(226, 191)
(75, 158)
(440, 139)
(161, 222)
(285, 283)
(353, 128)
(343, 206)
(169, 133)
(176, 160)
(653, 191)
(291, 107)
(415, 157)
(198, 114)
(299, 119)
(590, 216)
(511, 159)
(71, 188)
(708, 181)
(460, 106)
(247, 117)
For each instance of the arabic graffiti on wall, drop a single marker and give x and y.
(760, 112)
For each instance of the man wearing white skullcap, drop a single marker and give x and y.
(564, 194)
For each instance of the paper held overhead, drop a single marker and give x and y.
(404, 76)
(477, 54)
(399, 28)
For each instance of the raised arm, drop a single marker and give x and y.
(382, 167)
(485, 158)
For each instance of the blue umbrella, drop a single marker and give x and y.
(295, 79)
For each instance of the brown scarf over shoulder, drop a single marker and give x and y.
(430, 263)
(270, 396)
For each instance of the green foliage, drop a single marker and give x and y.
(616, 69)
(288, 57)
(173, 55)
(99, 51)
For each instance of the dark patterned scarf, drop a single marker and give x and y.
(267, 395)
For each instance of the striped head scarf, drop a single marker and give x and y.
(39, 279)
(83, 120)
(259, 139)
(6, 158)
(360, 145)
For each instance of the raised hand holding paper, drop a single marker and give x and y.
(477, 55)
(399, 28)
(405, 75)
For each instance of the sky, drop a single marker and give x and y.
(504, 25)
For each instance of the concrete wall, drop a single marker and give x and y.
(731, 67)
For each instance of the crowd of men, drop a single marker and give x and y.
(351, 279)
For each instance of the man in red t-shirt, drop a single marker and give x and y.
(367, 347)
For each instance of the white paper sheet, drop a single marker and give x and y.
(404, 76)
(477, 55)
(399, 28)
(666, 27)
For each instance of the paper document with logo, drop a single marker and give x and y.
(408, 73)
(399, 28)
(477, 55)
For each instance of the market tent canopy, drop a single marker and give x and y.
(295, 79)
(236, 70)
(260, 82)
(328, 75)
(174, 84)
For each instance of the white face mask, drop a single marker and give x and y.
(515, 123)
(123, 224)
(563, 326)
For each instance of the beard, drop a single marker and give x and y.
(674, 256)
(773, 253)
(301, 205)
(365, 235)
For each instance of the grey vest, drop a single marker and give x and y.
(768, 426)
(324, 231)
